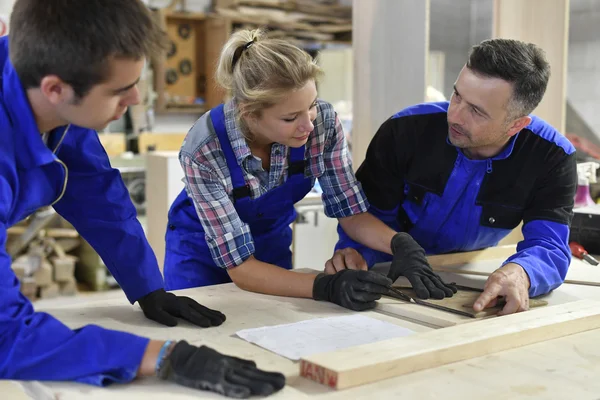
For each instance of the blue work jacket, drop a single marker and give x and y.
(72, 173)
(416, 181)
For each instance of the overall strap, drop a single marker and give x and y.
(296, 163)
(240, 188)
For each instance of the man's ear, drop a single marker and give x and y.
(56, 90)
(518, 124)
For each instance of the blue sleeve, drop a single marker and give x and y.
(544, 254)
(98, 205)
(36, 346)
(371, 256)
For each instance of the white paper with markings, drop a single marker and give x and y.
(304, 338)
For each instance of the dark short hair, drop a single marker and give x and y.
(522, 64)
(75, 39)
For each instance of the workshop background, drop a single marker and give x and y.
(429, 39)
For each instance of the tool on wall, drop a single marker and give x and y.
(171, 76)
(185, 67)
(578, 251)
(184, 31)
(172, 49)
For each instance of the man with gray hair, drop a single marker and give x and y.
(460, 175)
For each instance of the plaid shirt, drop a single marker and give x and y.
(208, 181)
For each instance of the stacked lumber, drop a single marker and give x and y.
(43, 264)
(305, 23)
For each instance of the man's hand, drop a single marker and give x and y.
(347, 258)
(206, 369)
(355, 290)
(165, 308)
(410, 261)
(510, 281)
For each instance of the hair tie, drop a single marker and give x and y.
(239, 51)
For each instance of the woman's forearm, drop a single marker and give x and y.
(257, 276)
(369, 231)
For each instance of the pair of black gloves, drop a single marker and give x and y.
(358, 290)
(202, 367)
(206, 369)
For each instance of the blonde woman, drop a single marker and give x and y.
(247, 162)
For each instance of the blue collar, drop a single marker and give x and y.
(505, 153)
(30, 148)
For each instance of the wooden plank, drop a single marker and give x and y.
(380, 66)
(218, 31)
(545, 23)
(481, 262)
(386, 359)
(113, 143)
(469, 257)
(49, 232)
(160, 141)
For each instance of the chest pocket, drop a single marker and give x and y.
(414, 207)
(501, 216)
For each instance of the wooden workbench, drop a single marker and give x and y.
(559, 369)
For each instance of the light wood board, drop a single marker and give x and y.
(485, 262)
(471, 257)
(565, 368)
(160, 141)
(114, 143)
(545, 23)
(380, 65)
(376, 361)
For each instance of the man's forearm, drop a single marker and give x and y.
(257, 276)
(365, 229)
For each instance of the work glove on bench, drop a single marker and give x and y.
(356, 290)
(410, 261)
(165, 308)
(206, 369)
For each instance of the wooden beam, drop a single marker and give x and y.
(114, 143)
(386, 359)
(469, 257)
(545, 23)
(390, 41)
(160, 141)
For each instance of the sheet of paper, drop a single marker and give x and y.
(319, 335)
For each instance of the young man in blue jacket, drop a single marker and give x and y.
(460, 175)
(68, 68)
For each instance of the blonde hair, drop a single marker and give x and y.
(260, 71)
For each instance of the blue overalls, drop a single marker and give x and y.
(188, 261)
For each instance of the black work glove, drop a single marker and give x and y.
(356, 290)
(164, 307)
(409, 260)
(206, 369)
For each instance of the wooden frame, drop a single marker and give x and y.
(386, 359)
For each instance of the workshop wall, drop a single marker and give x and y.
(454, 26)
(583, 78)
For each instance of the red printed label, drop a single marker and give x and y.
(318, 374)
